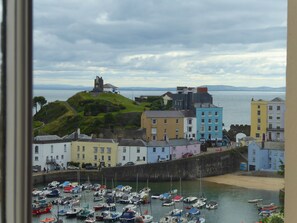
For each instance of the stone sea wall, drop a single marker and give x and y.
(210, 164)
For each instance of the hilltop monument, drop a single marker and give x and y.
(98, 84)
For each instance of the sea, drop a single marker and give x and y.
(236, 104)
(233, 206)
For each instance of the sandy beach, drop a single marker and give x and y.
(252, 182)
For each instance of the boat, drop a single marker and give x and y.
(64, 184)
(84, 213)
(127, 188)
(90, 220)
(173, 219)
(129, 207)
(197, 220)
(128, 216)
(175, 212)
(259, 205)
(266, 213)
(145, 190)
(68, 189)
(104, 207)
(147, 218)
(193, 212)
(36, 192)
(76, 190)
(97, 198)
(255, 200)
(41, 208)
(165, 196)
(270, 208)
(199, 204)
(190, 200)
(155, 196)
(73, 212)
(177, 198)
(112, 216)
(168, 202)
(54, 193)
(54, 184)
(49, 220)
(212, 205)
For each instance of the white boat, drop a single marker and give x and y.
(198, 220)
(54, 184)
(129, 207)
(145, 190)
(212, 205)
(155, 196)
(127, 188)
(168, 203)
(36, 192)
(147, 218)
(173, 219)
(255, 200)
(175, 212)
(199, 204)
(112, 216)
(73, 212)
(90, 220)
(190, 199)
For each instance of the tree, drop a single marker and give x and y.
(39, 100)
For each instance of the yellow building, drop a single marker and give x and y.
(258, 119)
(98, 152)
(162, 125)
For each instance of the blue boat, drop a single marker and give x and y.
(193, 211)
(165, 196)
(54, 193)
(128, 216)
(64, 184)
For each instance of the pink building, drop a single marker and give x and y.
(180, 147)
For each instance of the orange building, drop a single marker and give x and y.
(163, 125)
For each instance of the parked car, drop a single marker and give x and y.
(72, 168)
(90, 167)
(187, 155)
(162, 160)
(129, 164)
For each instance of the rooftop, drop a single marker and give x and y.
(205, 105)
(132, 142)
(164, 114)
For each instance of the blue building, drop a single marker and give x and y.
(267, 156)
(209, 122)
(158, 151)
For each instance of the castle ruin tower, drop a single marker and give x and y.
(98, 84)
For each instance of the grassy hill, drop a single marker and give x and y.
(89, 112)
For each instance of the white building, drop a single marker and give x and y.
(132, 150)
(276, 119)
(190, 125)
(50, 151)
(110, 88)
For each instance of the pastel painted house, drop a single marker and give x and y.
(132, 150)
(180, 147)
(267, 156)
(50, 152)
(98, 152)
(158, 151)
(209, 122)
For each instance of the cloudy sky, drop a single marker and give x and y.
(160, 43)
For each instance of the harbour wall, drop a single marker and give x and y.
(210, 164)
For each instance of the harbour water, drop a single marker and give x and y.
(233, 206)
(236, 104)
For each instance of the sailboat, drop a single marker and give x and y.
(201, 195)
(178, 198)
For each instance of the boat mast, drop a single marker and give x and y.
(137, 182)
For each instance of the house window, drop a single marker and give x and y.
(165, 130)
(154, 150)
(102, 149)
(83, 156)
(95, 149)
(77, 148)
(258, 106)
(190, 121)
(109, 158)
(108, 150)
(57, 157)
(52, 149)
(138, 150)
(109, 165)
(77, 156)
(124, 158)
(270, 117)
(202, 128)
(202, 136)
(143, 158)
(95, 157)
(270, 108)
(154, 131)
(176, 121)
(259, 120)
(62, 157)
(209, 128)
(163, 150)
(154, 121)
(278, 108)
(124, 149)
(277, 127)
(216, 128)
(36, 150)
(270, 126)
(259, 112)
(209, 113)
(176, 130)
(209, 120)
(216, 113)
(154, 137)
(176, 136)
(193, 135)
(278, 118)
(165, 121)
(258, 127)
(138, 158)
(36, 158)
(65, 149)
(83, 148)
(202, 113)
(202, 120)
(257, 135)
(190, 129)
(102, 158)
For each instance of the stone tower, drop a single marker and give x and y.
(98, 84)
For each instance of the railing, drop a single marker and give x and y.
(275, 129)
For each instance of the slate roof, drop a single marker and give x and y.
(205, 105)
(132, 142)
(109, 86)
(164, 114)
(97, 140)
(277, 99)
(47, 138)
(182, 142)
(158, 144)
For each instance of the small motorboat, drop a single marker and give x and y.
(175, 212)
(90, 220)
(155, 196)
(49, 220)
(73, 212)
(177, 198)
(193, 212)
(212, 205)
(167, 203)
(190, 200)
(255, 200)
(112, 216)
(147, 218)
(199, 204)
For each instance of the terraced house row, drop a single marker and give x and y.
(53, 153)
